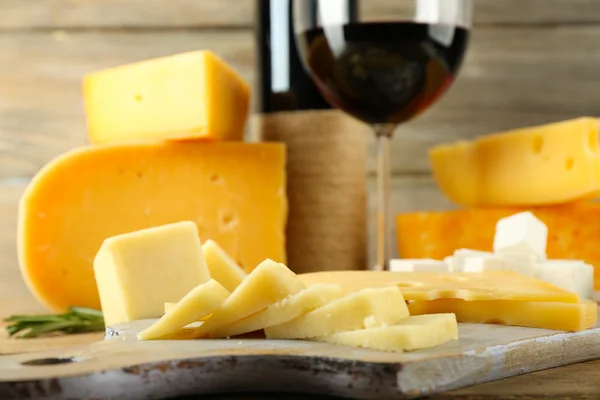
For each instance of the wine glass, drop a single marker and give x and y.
(383, 71)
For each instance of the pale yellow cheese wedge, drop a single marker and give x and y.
(267, 284)
(488, 285)
(366, 308)
(222, 267)
(169, 306)
(198, 303)
(545, 315)
(283, 311)
(412, 333)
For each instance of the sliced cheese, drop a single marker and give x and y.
(189, 95)
(283, 311)
(267, 284)
(169, 305)
(545, 315)
(221, 266)
(488, 285)
(366, 308)
(549, 164)
(199, 302)
(138, 272)
(412, 333)
(93, 193)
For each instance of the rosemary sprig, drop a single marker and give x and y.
(76, 320)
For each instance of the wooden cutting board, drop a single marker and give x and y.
(123, 367)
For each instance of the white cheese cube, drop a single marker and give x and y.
(418, 265)
(466, 260)
(521, 234)
(571, 275)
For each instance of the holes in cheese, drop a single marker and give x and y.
(283, 311)
(267, 284)
(189, 95)
(366, 308)
(138, 272)
(411, 333)
(221, 266)
(198, 303)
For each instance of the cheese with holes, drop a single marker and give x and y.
(412, 333)
(283, 311)
(488, 285)
(546, 315)
(267, 284)
(138, 272)
(367, 308)
(222, 267)
(189, 95)
(234, 192)
(198, 303)
(549, 164)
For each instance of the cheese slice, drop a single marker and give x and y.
(366, 308)
(283, 311)
(489, 285)
(188, 95)
(267, 284)
(138, 272)
(199, 302)
(234, 192)
(412, 333)
(549, 164)
(221, 266)
(545, 315)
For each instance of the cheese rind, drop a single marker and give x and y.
(183, 96)
(90, 194)
(138, 272)
(366, 308)
(411, 333)
(221, 266)
(544, 315)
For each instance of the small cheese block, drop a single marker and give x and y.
(411, 333)
(138, 272)
(96, 192)
(199, 302)
(418, 265)
(267, 284)
(222, 267)
(521, 234)
(549, 164)
(183, 96)
(575, 276)
(367, 308)
(283, 311)
(467, 260)
(544, 315)
(487, 285)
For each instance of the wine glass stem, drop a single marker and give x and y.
(383, 134)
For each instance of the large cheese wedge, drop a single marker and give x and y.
(267, 284)
(488, 285)
(367, 308)
(138, 272)
(189, 95)
(549, 164)
(234, 192)
(412, 333)
(199, 302)
(221, 266)
(283, 311)
(561, 316)
(573, 232)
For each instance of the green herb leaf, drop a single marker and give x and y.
(76, 320)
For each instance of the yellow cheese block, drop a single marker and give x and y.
(367, 308)
(561, 316)
(269, 283)
(189, 95)
(489, 285)
(549, 164)
(412, 333)
(138, 272)
(93, 193)
(222, 267)
(199, 302)
(283, 311)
